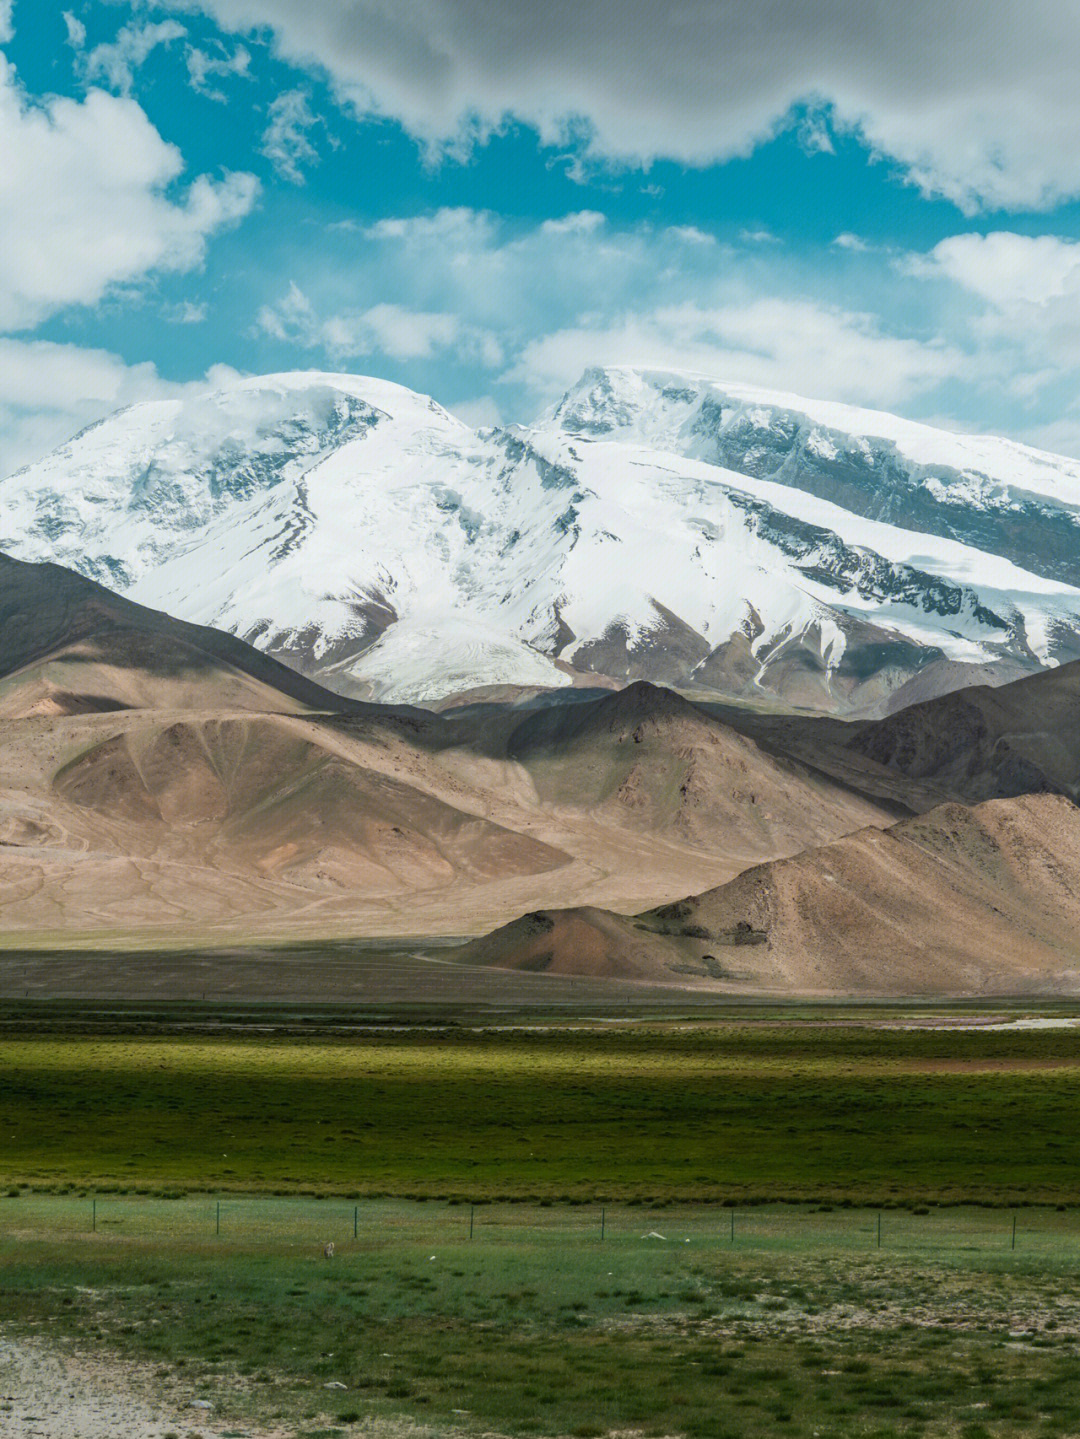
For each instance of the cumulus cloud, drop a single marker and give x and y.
(386, 329)
(76, 30)
(577, 291)
(48, 391)
(203, 66)
(450, 227)
(581, 222)
(285, 141)
(7, 28)
(88, 200)
(516, 280)
(187, 312)
(1028, 289)
(478, 413)
(793, 345)
(979, 104)
(1007, 269)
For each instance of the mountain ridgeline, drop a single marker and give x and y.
(686, 685)
(733, 543)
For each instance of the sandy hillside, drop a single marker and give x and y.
(957, 901)
(981, 742)
(161, 779)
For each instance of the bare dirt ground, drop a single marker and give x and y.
(46, 1393)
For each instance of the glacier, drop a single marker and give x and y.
(653, 524)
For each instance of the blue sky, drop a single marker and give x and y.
(845, 199)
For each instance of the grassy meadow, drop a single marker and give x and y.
(801, 1327)
(798, 1225)
(693, 1111)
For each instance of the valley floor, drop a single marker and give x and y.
(749, 1105)
(60, 1392)
(538, 1327)
(545, 1226)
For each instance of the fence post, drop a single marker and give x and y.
(355, 1220)
(603, 1219)
(1014, 1232)
(472, 1218)
(732, 1239)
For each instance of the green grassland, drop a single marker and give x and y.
(692, 1111)
(802, 1327)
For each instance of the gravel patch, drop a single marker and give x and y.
(46, 1394)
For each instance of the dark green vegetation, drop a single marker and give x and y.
(537, 1327)
(734, 1111)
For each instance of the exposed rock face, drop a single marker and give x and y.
(657, 526)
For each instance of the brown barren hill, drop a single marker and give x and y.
(263, 796)
(981, 742)
(984, 743)
(646, 758)
(959, 901)
(70, 646)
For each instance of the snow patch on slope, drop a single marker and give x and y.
(645, 526)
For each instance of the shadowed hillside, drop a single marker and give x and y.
(69, 646)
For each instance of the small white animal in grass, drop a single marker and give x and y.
(328, 1250)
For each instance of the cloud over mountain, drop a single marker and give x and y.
(981, 109)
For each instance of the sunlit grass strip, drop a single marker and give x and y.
(780, 1112)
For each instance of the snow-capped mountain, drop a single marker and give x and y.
(652, 525)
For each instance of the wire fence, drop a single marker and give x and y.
(926, 1231)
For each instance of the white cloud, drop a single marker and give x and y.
(76, 30)
(977, 103)
(793, 345)
(116, 62)
(479, 413)
(814, 135)
(187, 312)
(561, 296)
(7, 28)
(386, 329)
(455, 225)
(88, 201)
(285, 141)
(1007, 269)
(48, 391)
(848, 241)
(1027, 326)
(201, 65)
(505, 278)
(581, 222)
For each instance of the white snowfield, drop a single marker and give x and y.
(360, 531)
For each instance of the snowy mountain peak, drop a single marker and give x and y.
(991, 493)
(653, 525)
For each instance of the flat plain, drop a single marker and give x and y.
(536, 1325)
(747, 1109)
(803, 1220)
